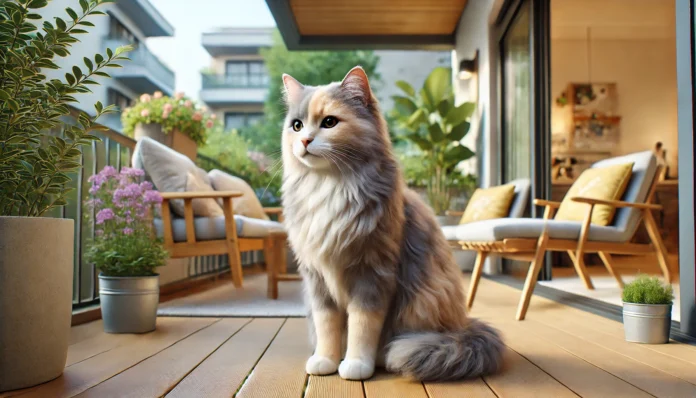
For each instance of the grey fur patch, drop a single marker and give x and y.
(430, 356)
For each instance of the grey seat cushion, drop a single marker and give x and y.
(213, 228)
(530, 228)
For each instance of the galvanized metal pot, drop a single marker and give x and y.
(36, 287)
(647, 323)
(129, 304)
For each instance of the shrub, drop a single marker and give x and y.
(178, 113)
(35, 164)
(648, 290)
(124, 242)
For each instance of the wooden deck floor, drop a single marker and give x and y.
(557, 352)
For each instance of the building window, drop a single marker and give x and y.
(246, 73)
(115, 97)
(117, 30)
(235, 120)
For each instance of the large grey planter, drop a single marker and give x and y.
(129, 304)
(647, 323)
(36, 285)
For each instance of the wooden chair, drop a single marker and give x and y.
(552, 235)
(228, 242)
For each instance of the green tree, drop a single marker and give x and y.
(309, 67)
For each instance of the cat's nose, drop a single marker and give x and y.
(306, 142)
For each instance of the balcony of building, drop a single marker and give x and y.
(145, 73)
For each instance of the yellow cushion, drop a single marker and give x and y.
(489, 203)
(608, 183)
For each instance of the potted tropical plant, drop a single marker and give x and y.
(431, 120)
(125, 249)
(647, 310)
(177, 122)
(38, 155)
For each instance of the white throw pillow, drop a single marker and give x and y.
(171, 171)
(246, 205)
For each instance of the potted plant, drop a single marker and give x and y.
(647, 310)
(38, 155)
(125, 249)
(431, 120)
(177, 122)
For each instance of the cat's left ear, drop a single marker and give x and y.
(293, 88)
(357, 84)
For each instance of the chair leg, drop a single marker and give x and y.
(580, 269)
(532, 276)
(656, 238)
(235, 263)
(270, 254)
(608, 263)
(475, 278)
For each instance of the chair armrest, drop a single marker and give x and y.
(617, 203)
(454, 213)
(273, 210)
(543, 202)
(200, 195)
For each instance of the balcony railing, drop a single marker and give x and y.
(143, 64)
(223, 81)
(115, 149)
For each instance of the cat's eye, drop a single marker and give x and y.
(297, 125)
(329, 122)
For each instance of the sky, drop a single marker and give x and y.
(183, 53)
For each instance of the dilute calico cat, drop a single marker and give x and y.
(381, 283)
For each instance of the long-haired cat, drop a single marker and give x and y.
(379, 275)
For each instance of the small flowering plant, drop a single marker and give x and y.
(124, 241)
(173, 113)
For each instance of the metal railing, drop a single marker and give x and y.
(141, 56)
(209, 81)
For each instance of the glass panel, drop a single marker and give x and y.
(113, 153)
(254, 118)
(87, 230)
(517, 97)
(234, 120)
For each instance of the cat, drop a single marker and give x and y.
(379, 275)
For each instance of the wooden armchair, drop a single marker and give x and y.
(227, 241)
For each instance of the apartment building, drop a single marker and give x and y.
(126, 22)
(236, 84)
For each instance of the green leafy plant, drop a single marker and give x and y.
(648, 290)
(178, 113)
(232, 151)
(124, 243)
(430, 119)
(34, 162)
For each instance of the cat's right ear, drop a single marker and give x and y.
(293, 88)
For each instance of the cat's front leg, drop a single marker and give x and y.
(329, 325)
(364, 330)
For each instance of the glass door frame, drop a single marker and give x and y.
(540, 101)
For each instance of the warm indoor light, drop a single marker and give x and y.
(467, 67)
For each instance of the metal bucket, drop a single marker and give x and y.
(129, 304)
(647, 323)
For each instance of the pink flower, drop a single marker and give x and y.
(197, 116)
(179, 95)
(145, 98)
(165, 115)
(204, 109)
(127, 231)
(167, 107)
(188, 103)
(99, 232)
(157, 94)
(213, 116)
(104, 215)
(152, 197)
(132, 172)
(209, 124)
(145, 113)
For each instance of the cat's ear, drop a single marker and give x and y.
(293, 88)
(357, 84)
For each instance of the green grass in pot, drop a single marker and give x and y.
(648, 290)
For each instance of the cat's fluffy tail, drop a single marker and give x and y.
(431, 356)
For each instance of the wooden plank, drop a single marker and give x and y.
(281, 371)
(581, 377)
(646, 378)
(86, 331)
(384, 384)
(97, 345)
(221, 374)
(88, 373)
(159, 373)
(333, 386)
(468, 388)
(521, 378)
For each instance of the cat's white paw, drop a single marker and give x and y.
(356, 369)
(319, 365)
